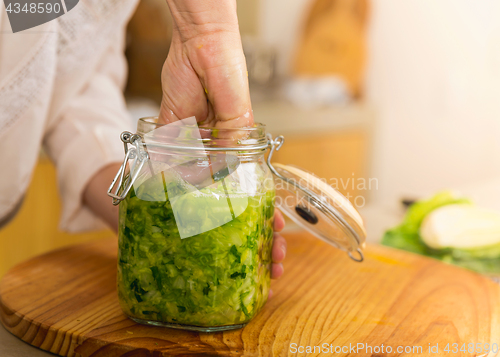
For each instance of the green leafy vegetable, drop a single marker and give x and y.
(216, 278)
(406, 236)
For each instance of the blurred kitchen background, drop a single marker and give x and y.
(387, 99)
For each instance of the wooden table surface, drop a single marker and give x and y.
(65, 302)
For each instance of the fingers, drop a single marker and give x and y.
(277, 271)
(279, 221)
(278, 255)
(279, 248)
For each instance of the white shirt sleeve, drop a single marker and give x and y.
(86, 137)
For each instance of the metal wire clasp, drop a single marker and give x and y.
(276, 144)
(139, 157)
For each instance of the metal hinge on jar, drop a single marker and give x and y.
(136, 153)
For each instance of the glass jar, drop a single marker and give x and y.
(196, 222)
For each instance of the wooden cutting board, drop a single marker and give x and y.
(65, 302)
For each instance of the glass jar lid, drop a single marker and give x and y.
(318, 207)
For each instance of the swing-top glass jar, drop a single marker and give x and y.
(196, 222)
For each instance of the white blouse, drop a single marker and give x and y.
(61, 88)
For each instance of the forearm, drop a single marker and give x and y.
(96, 199)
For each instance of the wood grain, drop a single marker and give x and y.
(65, 302)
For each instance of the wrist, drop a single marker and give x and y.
(194, 18)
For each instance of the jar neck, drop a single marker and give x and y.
(186, 134)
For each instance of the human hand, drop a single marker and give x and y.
(205, 74)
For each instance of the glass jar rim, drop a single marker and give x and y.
(152, 122)
(193, 137)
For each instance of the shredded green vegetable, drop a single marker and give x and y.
(216, 278)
